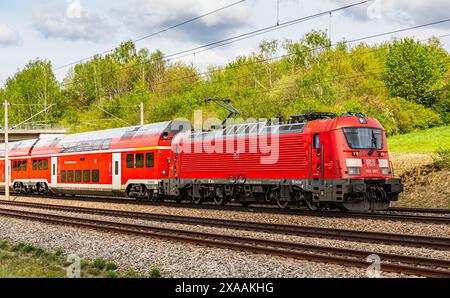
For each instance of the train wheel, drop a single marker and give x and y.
(283, 204)
(219, 198)
(275, 196)
(197, 201)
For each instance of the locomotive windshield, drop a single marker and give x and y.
(364, 138)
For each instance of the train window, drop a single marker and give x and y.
(95, 176)
(80, 147)
(34, 165)
(71, 148)
(107, 144)
(24, 165)
(97, 145)
(63, 176)
(19, 166)
(87, 146)
(150, 160)
(130, 161)
(54, 169)
(78, 175)
(316, 141)
(116, 168)
(70, 176)
(45, 164)
(40, 164)
(139, 161)
(87, 176)
(15, 166)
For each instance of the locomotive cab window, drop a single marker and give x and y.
(150, 160)
(45, 164)
(364, 138)
(40, 164)
(15, 166)
(139, 161)
(34, 165)
(130, 161)
(24, 165)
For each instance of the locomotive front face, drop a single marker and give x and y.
(366, 174)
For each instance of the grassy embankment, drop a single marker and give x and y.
(425, 174)
(422, 142)
(26, 261)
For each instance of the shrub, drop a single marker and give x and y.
(155, 272)
(111, 275)
(59, 251)
(110, 267)
(28, 248)
(38, 252)
(99, 264)
(442, 159)
(4, 245)
(18, 247)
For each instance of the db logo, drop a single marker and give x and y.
(237, 155)
(371, 163)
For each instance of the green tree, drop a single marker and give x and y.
(31, 90)
(416, 71)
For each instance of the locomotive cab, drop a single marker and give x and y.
(363, 177)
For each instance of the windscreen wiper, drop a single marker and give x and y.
(373, 144)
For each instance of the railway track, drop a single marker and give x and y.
(347, 257)
(264, 209)
(304, 231)
(420, 210)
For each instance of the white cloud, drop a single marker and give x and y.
(148, 16)
(401, 11)
(8, 36)
(71, 21)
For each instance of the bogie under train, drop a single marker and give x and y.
(322, 162)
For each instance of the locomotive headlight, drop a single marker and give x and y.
(354, 171)
(385, 171)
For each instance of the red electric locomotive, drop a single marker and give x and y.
(327, 161)
(320, 162)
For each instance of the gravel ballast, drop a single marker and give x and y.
(396, 227)
(175, 259)
(187, 260)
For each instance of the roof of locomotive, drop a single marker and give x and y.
(118, 138)
(267, 127)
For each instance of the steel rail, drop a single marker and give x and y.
(341, 256)
(304, 231)
(261, 209)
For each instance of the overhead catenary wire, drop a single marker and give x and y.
(227, 41)
(156, 33)
(286, 55)
(265, 60)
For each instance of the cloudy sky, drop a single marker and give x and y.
(64, 31)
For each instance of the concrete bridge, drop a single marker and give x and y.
(28, 134)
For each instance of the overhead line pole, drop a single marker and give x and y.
(142, 114)
(7, 175)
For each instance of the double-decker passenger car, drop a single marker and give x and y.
(323, 162)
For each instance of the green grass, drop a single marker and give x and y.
(426, 141)
(26, 261)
